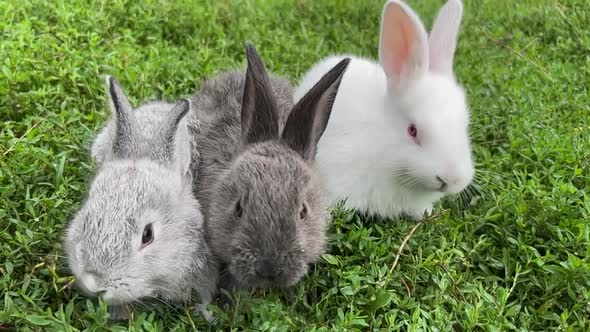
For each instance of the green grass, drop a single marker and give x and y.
(514, 256)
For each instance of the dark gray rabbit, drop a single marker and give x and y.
(139, 233)
(265, 216)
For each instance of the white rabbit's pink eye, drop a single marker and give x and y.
(303, 211)
(238, 210)
(148, 235)
(412, 130)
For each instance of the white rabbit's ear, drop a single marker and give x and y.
(403, 45)
(443, 37)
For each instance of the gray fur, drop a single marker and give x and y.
(145, 125)
(253, 165)
(139, 184)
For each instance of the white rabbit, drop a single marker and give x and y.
(398, 137)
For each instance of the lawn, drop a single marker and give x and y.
(512, 253)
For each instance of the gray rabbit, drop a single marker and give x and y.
(253, 151)
(139, 233)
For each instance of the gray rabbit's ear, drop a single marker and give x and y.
(125, 143)
(259, 107)
(309, 117)
(165, 147)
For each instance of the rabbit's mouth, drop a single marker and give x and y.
(119, 296)
(423, 185)
(123, 293)
(248, 277)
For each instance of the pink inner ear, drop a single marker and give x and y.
(398, 41)
(401, 45)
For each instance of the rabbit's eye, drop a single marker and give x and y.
(412, 130)
(148, 235)
(238, 210)
(303, 212)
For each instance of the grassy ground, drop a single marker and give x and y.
(514, 255)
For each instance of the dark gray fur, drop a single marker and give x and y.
(239, 155)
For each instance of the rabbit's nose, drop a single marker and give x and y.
(267, 269)
(443, 183)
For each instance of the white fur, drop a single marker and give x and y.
(366, 155)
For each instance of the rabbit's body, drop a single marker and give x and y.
(139, 233)
(265, 216)
(398, 136)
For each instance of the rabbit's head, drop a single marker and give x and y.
(425, 105)
(136, 234)
(267, 216)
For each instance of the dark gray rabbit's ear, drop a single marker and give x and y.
(193, 130)
(259, 107)
(125, 143)
(309, 117)
(164, 144)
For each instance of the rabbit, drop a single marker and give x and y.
(398, 139)
(139, 233)
(265, 216)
